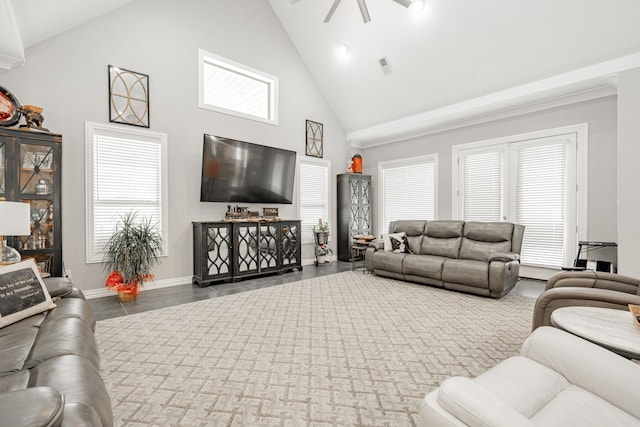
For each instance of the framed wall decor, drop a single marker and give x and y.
(314, 139)
(128, 97)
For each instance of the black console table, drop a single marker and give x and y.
(233, 250)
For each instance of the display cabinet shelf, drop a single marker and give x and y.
(31, 173)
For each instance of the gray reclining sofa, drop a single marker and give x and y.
(476, 257)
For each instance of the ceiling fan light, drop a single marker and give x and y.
(343, 49)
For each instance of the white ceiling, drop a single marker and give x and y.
(457, 61)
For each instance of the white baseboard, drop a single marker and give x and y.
(154, 284)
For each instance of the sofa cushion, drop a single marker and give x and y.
(22, 292)
(424, 266)
(388, 261)
(481, 240)
(468, 272)
(442, 238)
(396, 242)
(413, 229)
(15, 348)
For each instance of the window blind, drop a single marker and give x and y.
(126, 176)
(313, 198)
(482, 186)
(540, 203)
(408, 191)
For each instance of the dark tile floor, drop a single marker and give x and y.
(108, 307)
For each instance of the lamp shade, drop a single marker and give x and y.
(14, 219)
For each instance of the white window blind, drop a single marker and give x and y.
(125, 172)
(408, 190)
(529, 182)
(313, 188)
(481, 191)
(540, 202)
(232, 88)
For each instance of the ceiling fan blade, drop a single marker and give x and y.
(334, 6)
(405, 3)
(362, 4)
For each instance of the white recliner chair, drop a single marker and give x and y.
(558, 380)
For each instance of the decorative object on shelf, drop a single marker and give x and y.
(356, 163)
(33, 117)
(42, 187)
(14, 221)
(132, 249)
(9, 108)
(314, 139)
(128, 97)
(270, 212)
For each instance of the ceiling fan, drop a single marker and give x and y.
(362, 4)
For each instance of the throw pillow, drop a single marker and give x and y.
(396, 242)
(22, 292)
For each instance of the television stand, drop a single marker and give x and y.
(224, 251)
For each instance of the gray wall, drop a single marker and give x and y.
(629, 172)
(599, 114)
(67, 76)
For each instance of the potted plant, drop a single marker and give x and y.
(321, 253)
(131, 251)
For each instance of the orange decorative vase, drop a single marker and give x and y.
(126, 296)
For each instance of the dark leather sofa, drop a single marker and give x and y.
(49, 366)
(481, 258)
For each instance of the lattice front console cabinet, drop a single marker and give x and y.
(234, 250)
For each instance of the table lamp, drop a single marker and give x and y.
(14, 221)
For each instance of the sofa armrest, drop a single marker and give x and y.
(377, 244)
(504, 257)
(35, 406)
(587, 365)
(555, 298)
(58, 286)
(594, 279)
(475, 406)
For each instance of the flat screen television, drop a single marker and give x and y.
(239, 171)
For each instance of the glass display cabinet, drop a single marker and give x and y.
(30, 173)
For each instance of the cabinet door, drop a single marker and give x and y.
(35, 165)
(246, 249)
(218, 246)
(290, 244)
(3, 167)
(269, 238)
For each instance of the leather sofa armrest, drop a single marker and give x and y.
(587, 365)
(472, 404)
(58, 286)
(377, 244)
(555, 298)
(35, 406)
(594, 279)
(504, 257)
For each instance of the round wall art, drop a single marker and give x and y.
(9, 108)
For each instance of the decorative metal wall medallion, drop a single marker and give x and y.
(314, 139)
(128, 97)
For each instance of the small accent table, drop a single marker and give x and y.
(357, 253)
(610, 328)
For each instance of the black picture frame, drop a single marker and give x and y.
(128, 97)
(314, 142)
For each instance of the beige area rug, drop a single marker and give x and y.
(342, 350)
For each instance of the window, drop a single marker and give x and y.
(126, 170)
(313, 194)
(232, 88)
(530, 180)
(408, 189)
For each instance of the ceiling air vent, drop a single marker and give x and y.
(384, 63)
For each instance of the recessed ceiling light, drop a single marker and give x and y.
(343, 49)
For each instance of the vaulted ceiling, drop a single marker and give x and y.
(455, 62)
